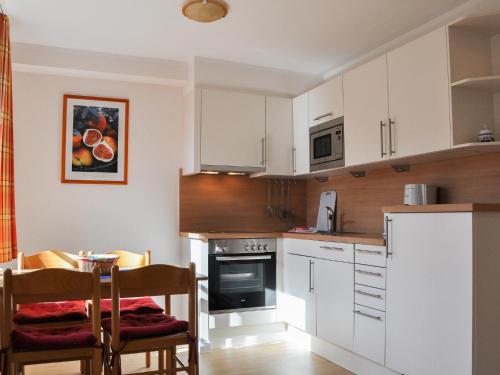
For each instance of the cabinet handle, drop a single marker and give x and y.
(388, 222)
(294, 159)
(323, 116)
(382, 151)
(379, 296)
(377, 252)
(378, 274)
(391, 150)
(263, 149)
(311, 276)
(331, 248)
(368, 315)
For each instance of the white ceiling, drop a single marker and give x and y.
(311, 36)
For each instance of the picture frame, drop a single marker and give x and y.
(94, 140)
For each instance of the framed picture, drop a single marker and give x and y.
(94, 140)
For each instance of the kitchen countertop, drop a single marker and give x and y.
(456, 207)
(361, 238)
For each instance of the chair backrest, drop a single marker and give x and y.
(154, 280)
(49, 285)
(47, 259)
(129, 259)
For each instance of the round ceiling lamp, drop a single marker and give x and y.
(204, 10)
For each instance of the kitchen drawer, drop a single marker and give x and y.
(369, 333)
(369, 297)
(370, 255)
(341, 252)
(369, 276)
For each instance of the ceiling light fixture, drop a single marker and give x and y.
(204, 10)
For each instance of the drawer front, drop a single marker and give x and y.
(299, 247)
(341, 252)
(370, 255)
(369, 276)
(369, 333)
(369, 297)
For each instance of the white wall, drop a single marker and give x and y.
(141, 215)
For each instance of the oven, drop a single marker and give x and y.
(241, 274)
(326, 145)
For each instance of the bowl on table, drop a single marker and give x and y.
(104, 262)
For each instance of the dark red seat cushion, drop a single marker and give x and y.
(50, 312)
(134, 326)
(141, 305)
(31, 339)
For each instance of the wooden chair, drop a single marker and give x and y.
(47, 259)
(28, 345)
(156, 280)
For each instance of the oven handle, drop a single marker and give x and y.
(230, 259)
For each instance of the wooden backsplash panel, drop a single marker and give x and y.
(235, 203)
(473, 179)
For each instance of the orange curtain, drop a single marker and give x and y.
(8, 240)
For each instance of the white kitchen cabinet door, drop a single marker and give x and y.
(279, 136)
(301, 134)
(334, 283)
(429, 302)
(419, 103)
(233, 128)
(366, 110)
(369, 333)
(299, 299)
(326, 102)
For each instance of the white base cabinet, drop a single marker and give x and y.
(299, 300)
(334, 301)
(443, 303)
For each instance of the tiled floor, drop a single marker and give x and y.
(278, 358)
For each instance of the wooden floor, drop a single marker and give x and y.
(268, 359)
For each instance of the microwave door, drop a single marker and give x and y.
(321, 146)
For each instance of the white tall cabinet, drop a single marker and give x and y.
(443, 304)
(301, 134)
(366, 108)
(233, 129)
(419, 102)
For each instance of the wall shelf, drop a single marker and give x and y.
(488, 83)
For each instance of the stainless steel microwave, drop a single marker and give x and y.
(326, 145)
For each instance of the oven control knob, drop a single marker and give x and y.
(247, 247)
(266, 247)
(218, 250)
(254, 247)
(260, 247)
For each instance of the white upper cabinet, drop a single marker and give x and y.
(326, 102)
(279, 136)
(419, 104)
(366, 109)
(301, 134)
(233, 128)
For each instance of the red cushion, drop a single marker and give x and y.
(141, 305)
(52, 338)
(134, 326)
(50, 312)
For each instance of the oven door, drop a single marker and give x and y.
(241, 281)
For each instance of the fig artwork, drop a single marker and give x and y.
(95, 139)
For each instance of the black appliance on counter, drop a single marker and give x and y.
(242, 274)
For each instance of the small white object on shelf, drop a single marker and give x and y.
(486, 135)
